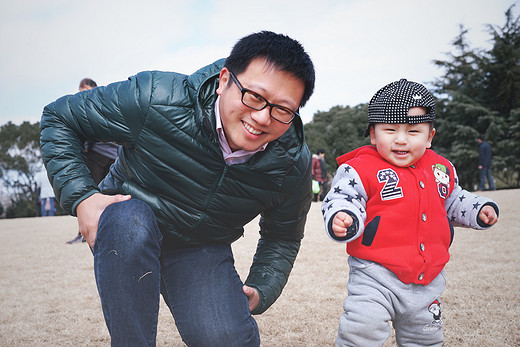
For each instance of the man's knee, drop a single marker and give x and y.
(131, 222)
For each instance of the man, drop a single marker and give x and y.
(319, 173)
(45, 195)
(201, 156)
(485, 155)
(99, 156)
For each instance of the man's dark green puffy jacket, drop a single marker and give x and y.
(170, 158)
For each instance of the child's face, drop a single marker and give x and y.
(402, 144)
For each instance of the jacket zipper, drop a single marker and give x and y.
(210, 197)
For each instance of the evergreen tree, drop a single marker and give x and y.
(502, 94)
(458, 110)
(459, 119)
(462, 72)
(502, 68)
(20, 159)
(337, 131)
(478, 93)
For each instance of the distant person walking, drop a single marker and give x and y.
(485, 156)
(319, 173)
(99, 156)
(46, 194)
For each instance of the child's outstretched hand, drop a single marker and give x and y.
(488, 215)
(340, 223)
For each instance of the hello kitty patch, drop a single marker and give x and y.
(442, 177)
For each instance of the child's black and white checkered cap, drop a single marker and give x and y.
(392, 102)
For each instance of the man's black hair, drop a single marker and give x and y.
(281, 51)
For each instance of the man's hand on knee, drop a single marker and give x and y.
(89, 211)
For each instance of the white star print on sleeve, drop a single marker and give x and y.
(464, 207)
(346, 194)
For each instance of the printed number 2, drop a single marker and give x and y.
(390, 189)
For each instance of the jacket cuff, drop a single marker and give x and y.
(351, 230)
(75, 205)
(479, 221)
(262, 303)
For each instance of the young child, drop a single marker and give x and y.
(395, 204)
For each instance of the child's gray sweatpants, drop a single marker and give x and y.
(376, 296)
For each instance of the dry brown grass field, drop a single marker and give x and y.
(48, 295)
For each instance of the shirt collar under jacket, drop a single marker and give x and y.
(230, 157)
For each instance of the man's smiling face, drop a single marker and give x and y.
(249, 129)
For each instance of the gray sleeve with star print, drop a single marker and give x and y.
(346, 194)
(463, 207)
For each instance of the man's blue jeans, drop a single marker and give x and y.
(200, 285)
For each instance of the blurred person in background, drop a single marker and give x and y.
(485, 156)
(319, 174)
(46, 194)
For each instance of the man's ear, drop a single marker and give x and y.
(223, 80)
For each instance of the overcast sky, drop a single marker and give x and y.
(357, 46)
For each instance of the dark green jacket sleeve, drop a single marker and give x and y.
(112, 113)
(281, 229)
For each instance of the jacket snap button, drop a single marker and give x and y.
(421, 277)
(421, 184)
(423, 217)
(422, 247)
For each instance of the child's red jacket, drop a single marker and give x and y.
(403, 216)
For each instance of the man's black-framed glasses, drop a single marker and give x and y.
(257, 102)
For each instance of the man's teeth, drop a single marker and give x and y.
(251, 129)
